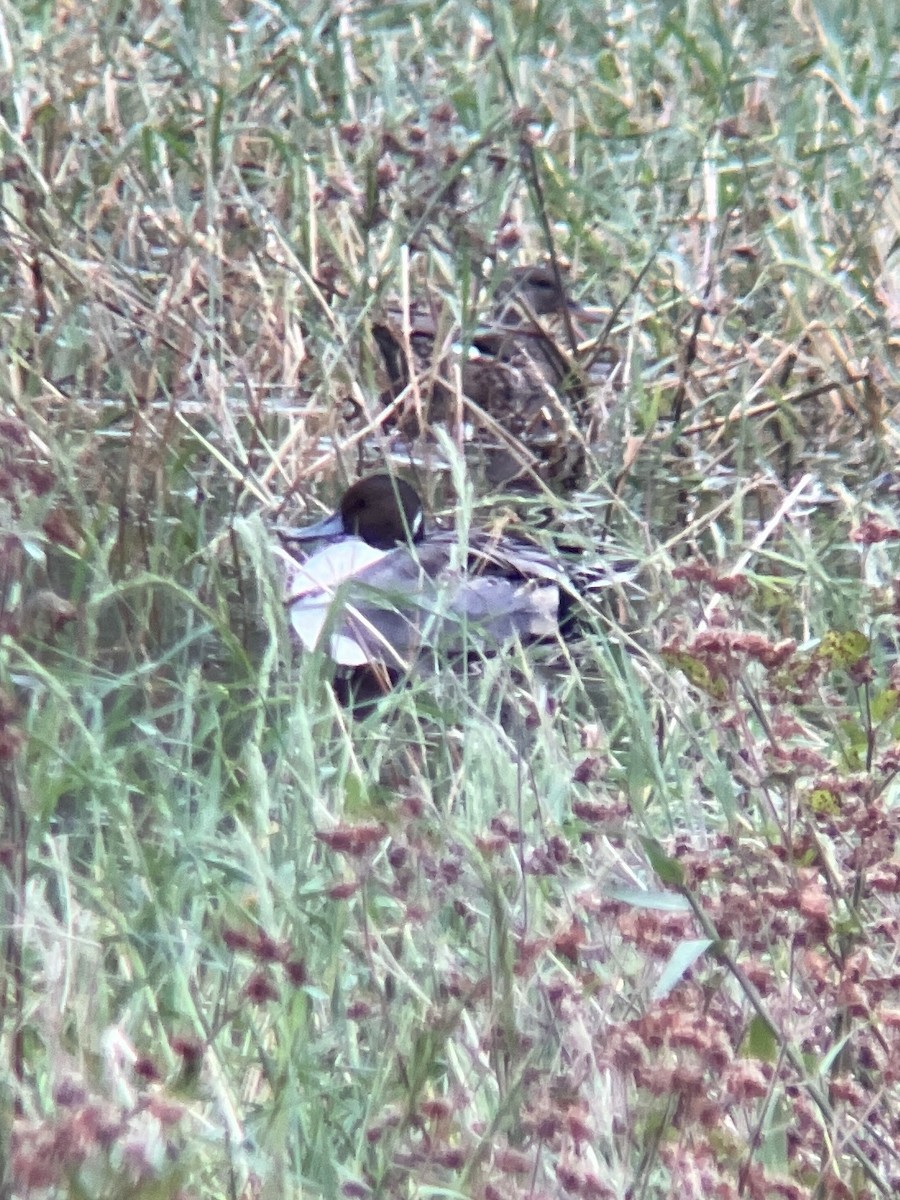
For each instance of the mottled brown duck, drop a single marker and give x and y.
(521, 392)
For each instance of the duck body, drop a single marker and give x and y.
(381, 589)
(520, 385)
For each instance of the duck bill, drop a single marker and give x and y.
(328, 527)
(589, 316)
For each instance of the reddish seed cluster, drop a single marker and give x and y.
(253, 942)
(264, 950)
(343, 891)
(83, 1134)
(260, 989)
(145, 1069)
(697, 1174)
(873, 530)
(548, 859)
(889, 761)
(654, 933)
(698, 570)
(45, 1153)
(491, 843)
(726, 643)
(509, 233)
(60, 530)
(801, 758)
(578, 1180)
(12, 737)
(504, 825)
(20, 471)
(189, 1049)
(599, 812)
(512, 1162)
(590, 769)
(353, 840)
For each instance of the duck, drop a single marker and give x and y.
(522, 385)
(380, 587)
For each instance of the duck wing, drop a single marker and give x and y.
(510, 588)
(363, 605)
(513, 557)
(367, 606)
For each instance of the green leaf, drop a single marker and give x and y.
(661, 901)
(698, 673)
(356, 797)
(843, 650)
(668, 869)
(885, 704)
(680, 962)
(824, 801)
(761, 1041)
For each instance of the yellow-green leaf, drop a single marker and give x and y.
(761, 1041)
(885, 704)
(698, 673)
(824, 801)
(843, 650)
